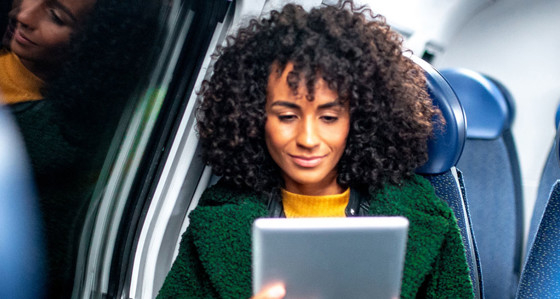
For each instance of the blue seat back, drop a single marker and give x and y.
(444, 150)
(492, 179)
(21, 247)
(541, 273)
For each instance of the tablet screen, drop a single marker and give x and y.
(357, 257)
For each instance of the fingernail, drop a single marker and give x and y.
(277, 291)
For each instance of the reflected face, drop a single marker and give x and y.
(44, 28)
(305, 138)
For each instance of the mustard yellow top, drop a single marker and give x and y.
(297, 205)
(17, 84)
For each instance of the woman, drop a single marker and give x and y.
(39, 37)
(73, 65)
(315, 114)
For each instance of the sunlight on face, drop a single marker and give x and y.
(305, 138)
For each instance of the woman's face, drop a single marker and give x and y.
(44, 28)
(305, 138)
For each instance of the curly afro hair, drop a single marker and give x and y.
(359, 57)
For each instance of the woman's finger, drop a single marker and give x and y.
(277, 291)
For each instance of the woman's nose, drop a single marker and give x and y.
(308, 136)
(27, 15)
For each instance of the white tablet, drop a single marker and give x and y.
(356, 257)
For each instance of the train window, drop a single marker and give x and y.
(153, 159)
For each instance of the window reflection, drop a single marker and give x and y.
(67, 90)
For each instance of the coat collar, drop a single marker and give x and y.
(223, 235)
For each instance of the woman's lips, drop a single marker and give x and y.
(307, 162)
(22, 39)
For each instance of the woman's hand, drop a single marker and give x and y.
(276, 291)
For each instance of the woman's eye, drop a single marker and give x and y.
(55, 18)
(287, 118)
(329, 119)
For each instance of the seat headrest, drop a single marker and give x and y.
(486, 107)
(445, 148)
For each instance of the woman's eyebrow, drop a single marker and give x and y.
(334, 104)
(65, 9)
(285, 104)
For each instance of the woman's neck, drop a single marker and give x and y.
(325, 187)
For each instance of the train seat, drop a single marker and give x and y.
(492, 178)
(444, 150)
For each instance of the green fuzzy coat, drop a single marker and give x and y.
(214, 259)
